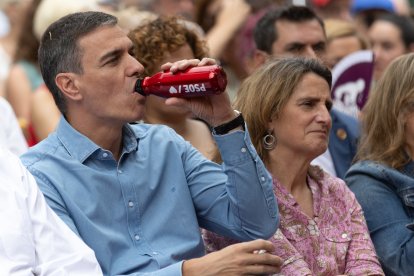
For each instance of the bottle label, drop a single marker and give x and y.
(187, 88)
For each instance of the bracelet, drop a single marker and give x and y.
(226, 127)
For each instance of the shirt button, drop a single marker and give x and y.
(104, 155)
(137, 237)
(243, 150)
(120, 171)
(262, 178)
(155, 253)
(344, 236)
(131, 204)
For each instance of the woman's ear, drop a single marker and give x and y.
(68, 85)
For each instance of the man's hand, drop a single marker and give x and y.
(248, 258)
(214, 109)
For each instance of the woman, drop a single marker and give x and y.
(322, 229)
(383, 177)
(390, 36)
(168, 40)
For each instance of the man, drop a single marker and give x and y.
(33, 240)
(298, 31)
(137, 194)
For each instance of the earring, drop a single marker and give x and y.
(269, 141)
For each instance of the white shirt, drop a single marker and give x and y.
(11, 135)
(33, 240)
(325, 162)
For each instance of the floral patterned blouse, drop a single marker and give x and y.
(335, 241)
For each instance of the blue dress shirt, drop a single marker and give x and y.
(142, 214)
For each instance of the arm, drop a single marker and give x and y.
(361, 257)
(232, 15)
(19, 92)
(245, 207)
(386, 217)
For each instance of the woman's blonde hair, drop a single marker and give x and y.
(385, 114)
(263, 95)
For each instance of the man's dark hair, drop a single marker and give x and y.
(265, 33)
(59, 50)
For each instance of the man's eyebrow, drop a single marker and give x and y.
(294, 44)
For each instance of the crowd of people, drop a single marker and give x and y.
(267, 178)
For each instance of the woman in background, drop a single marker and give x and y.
(383, 177)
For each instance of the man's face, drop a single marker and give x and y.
(305, 39)
(109, 75)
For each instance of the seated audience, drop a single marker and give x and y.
(138, 193)
(383, 177)
(33, 240)
(322, 228)
(169, 40)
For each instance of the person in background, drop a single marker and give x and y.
(181, 8)
(286, 103)
(333, 9)
(390, 36)
(364, 12)
(11, 135)
(298, 31)
(137, 193)
(382, 178)
(33, 240)
(342, 40)
(169, 40)
(12, 11)
(24, 77)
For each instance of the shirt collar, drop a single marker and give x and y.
(81, 147)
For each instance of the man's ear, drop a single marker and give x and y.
(68, 85)
(259, 58)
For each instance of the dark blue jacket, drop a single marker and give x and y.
(343, 141)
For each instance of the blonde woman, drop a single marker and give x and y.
(383, 177)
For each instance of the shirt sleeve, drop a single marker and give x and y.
(58, 250)
(240, 202)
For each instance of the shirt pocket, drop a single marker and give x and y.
(408, 198)
(337, 240)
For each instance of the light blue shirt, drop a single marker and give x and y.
(143, 213)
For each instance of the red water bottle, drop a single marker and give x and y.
(193, 82)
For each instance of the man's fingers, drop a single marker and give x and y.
(257, 245)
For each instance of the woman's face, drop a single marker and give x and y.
(387, 44)
(303, 125)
